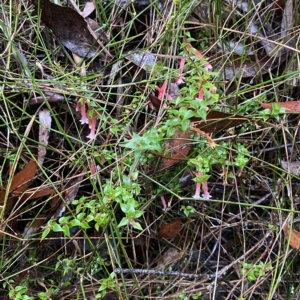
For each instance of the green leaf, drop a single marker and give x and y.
(66, 230)
(63, 220)
(137, 226)
(188, 114)
(124, 207)
(185, 125)
(124, 222)
(80, 216)
(57, 228)
(251, 276)
(138, 213)
(84, 225)
(89, 218)
(202, 113)
(45, 233)
(75, 222)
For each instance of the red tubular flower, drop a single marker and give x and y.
(200, 94)
(93, 169)
(162, 90)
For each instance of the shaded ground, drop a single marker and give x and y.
(80, 208)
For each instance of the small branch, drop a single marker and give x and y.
(157, 272)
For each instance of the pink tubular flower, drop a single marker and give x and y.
(181, 66)
(189, 47)
(206, 195)
(92, 125)
(94, 169)
(82, 108)
(164, 204)
(198, 187)
(89, 118)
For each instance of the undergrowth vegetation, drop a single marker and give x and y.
(162, 166)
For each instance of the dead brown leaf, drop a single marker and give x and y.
(69, 27)
(290, 106)
(18, 185)
(217, 120)
(36, 193)
(292, 236)
(23, 178)
(170, 230)
(178, 147)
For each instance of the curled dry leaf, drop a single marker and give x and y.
(170, 257)
(292, 236)
(23, 178)
(143, 59)
(292, 167)
(33, 227)
(36, 193)
(49, 96)
(170, 230)
(70, 193)
(18, 188)
(44, 132)
(88, 9)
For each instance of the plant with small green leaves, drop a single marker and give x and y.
(97, 211)
(150, 140)
(48, 295)
(275, 112)
(19, 293)
(217, 155)
(242, 157)
(183, 296)
(106, 284)
(187, 209)
(252, 272)
(196, 296)
(274, 228)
